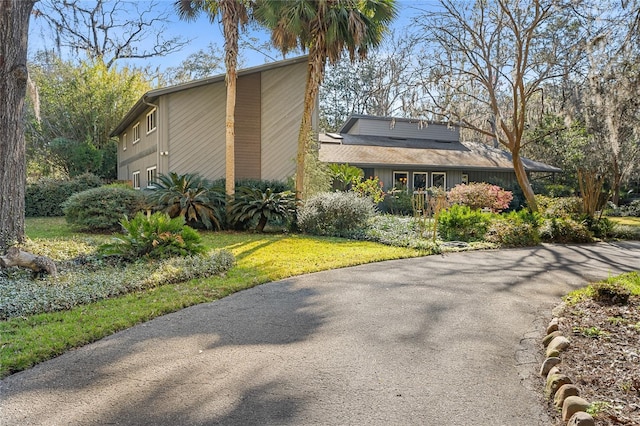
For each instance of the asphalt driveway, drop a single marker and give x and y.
(440, 340)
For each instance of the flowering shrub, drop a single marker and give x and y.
(371, 187)
(481, 195)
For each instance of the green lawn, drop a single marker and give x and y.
(260, 258)
(628, 220)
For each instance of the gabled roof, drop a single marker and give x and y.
(378, 151)
(151, 96)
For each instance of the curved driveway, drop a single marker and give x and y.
(440, 340)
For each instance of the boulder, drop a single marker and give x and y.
(548, 364)
(563, 392)
(549, 337)
(581, 419)
(557, 345)
(572, 405)
(554, 382)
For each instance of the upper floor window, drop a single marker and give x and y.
(124, 142)
(151, 121)
(136, 132)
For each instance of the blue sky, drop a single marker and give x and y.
(202, 32)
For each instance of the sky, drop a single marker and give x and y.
(202, 32)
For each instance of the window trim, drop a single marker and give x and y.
(465, 178)
(394, 179)
(135, 179)
(426, 180)
(152, 119)
(444, 175)
(124, 141)
(136, 132)
(150, 181)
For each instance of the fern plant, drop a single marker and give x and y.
(191, 197)
(157, 236)
(252, 204)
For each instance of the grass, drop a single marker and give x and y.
(27, 341)
(625, 220)
(630, 281)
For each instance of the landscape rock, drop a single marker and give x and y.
(548, 364)
(554, 382)
(563, 392)
(558, 310)
(549, 337)
(553, 325)
(557, 345)
(572, 405)
(581, 419)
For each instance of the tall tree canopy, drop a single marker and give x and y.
(108, 29)
(487, 61)
(14, 28)
(326, 28)
(233, 14)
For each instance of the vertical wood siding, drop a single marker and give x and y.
(196, 131)
(247, 127)
(282, 104)
(405, 130)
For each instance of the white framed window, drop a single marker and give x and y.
(151, 176)
(439, 180)
(401, 180)
(465, 178)
(135, 178)
(420, 181)
(151, 121)
(124, 142)
(136, 132)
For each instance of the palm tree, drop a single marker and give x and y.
(325, 28)
(233, 14)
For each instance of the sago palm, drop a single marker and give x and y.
(251, 204)
(325, 28)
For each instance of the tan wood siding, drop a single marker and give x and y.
(247, 127)
(282, 105)
(140, 154)
(196, 131)
(401, 129)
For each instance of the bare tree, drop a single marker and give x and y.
(487, 61)
(14, 28)
(110, 30)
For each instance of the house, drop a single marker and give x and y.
(182, 128)
(414, 154)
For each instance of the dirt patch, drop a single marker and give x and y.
(604, 359)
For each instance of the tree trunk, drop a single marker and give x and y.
(14, 29)
(23, 259)
(315, 68)
(523, 181)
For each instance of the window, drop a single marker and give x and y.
(151, 121)
(124, 142)
(465, 178)
(420, 181)
(400, 180)
(151, 177)
(136, 132)
(439, 179)
(135, 178)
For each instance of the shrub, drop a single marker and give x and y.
(516, 229)
(398, 231)
(398, 202)
(480, 195)
(101, 209)
(335, 214)
(461, 223)
(600, 227)
(195, 199)
(344, 176)
(563, 207)
(611, 293)
(157, 236)
(371, 187)
(252, 205)
(632, 209)
(564, 230)
(45, 198)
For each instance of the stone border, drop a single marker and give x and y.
(560, 387)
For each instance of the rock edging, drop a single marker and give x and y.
(559, 387)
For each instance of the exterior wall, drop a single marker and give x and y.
(140, 155)
(503, 179)
(282, 106)
(402, 129)
(196, 130)
(247, 127)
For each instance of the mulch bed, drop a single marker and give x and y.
(604, 358)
